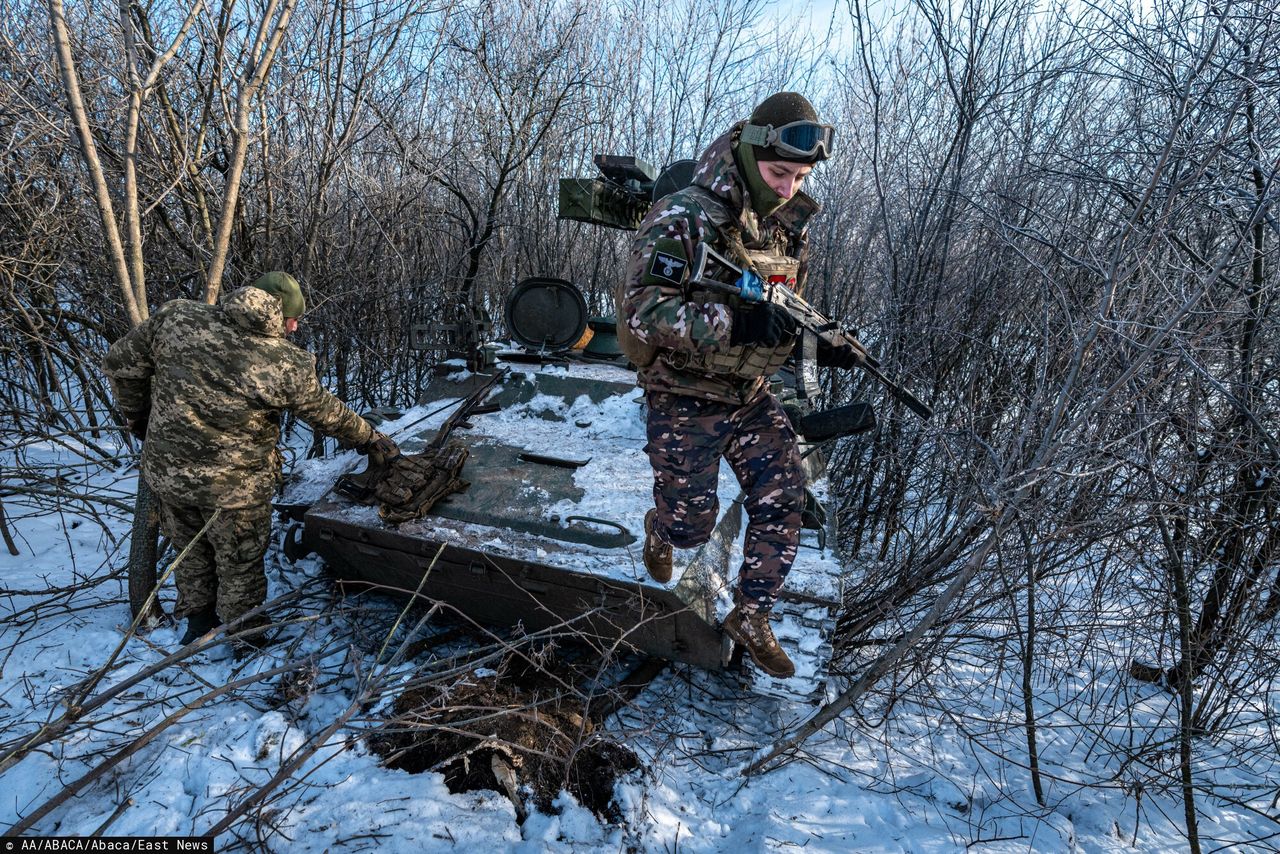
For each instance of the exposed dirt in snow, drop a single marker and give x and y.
(513, 725)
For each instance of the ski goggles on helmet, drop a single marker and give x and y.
(794, 139)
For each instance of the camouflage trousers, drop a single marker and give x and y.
(687, 437)
(224, 568)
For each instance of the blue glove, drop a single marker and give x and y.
(750, 286)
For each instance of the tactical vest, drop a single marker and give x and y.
(779, 270)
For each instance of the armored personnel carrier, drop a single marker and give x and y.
(549, 530)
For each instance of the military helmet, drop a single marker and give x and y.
(785, 126)
(285, 288)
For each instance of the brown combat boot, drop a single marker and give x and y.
(657, 554)
(752, 630)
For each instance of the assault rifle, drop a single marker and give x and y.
(810, 320)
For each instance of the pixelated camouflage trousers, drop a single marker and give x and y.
(687, 437)
(224, 567)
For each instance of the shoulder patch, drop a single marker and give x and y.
(668, 264)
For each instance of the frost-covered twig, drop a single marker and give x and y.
(15, 751)
(73, 788)
(887, 659)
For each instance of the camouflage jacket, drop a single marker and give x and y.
(692, 328)
(215, 380)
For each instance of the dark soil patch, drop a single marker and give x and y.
(520, 732)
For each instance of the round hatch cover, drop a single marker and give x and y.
(546, 313)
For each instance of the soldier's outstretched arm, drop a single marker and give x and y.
(656, 309)
(314, 404)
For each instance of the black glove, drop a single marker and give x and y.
(380, 444)
(762, 324)
(138, 423)
(845, 356)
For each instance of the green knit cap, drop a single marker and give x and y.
(285, 288)
(779, 109)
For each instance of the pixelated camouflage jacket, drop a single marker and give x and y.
(659, 310)
(215, 380)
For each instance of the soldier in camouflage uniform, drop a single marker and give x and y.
(704, 358)
(206, 385)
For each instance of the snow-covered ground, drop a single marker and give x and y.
(935, 771)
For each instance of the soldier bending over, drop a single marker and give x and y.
(205, 385)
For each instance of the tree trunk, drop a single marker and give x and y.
(142, 553)
(4, 532)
